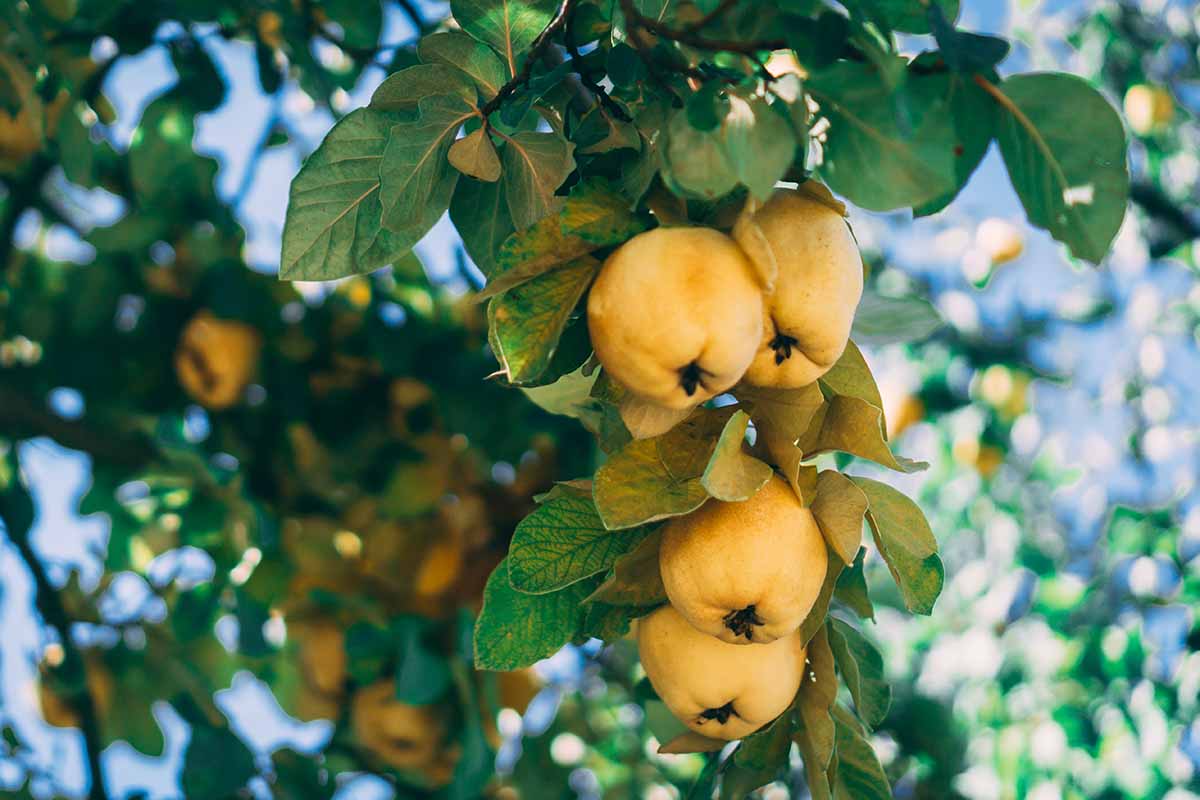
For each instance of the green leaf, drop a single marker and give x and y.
(564, 541)
(910, 16)
(901, 520)
(480, 214)
(651, 479)
(459, 51)
(861, 666)
(360, 22)
(912, 161)
(609, 623)
(333, 220)
(851, 589)
(816, 617)
(733, 474)
(919, 578)
(509, 26)
(416, 179)
(635, 578)
(974, 118)
(599, 215)
(535, 164)
(403, 91)
(569, 396)
(527, 321)
(839, 509)
(423, 675)
(817, 695)
(209, 746)
(963, 51)
(859, 775)
(760, 144)
(758, 759)
(854, 426)
(695, 161)
(475, 155)
(1064, 147)
(884, 320)
(514, 629)
(691, 742)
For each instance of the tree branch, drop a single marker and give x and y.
(16, 512)
(23, 417)
(1161, 208)
(691, 36)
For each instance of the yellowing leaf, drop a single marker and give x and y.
(475, 155)
(839, 508)
(526, 322)
(733, 474)
(651, 479)
(635, 578)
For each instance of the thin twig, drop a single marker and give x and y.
(23, 417)
(49, 605)
(535, 53)
(724, 7)
(585, 76)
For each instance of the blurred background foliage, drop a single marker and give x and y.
(206, 563)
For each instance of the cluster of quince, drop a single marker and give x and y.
(677, 316)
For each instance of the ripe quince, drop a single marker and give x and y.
(745, 571)
(717, 689)
(676, 314)
(216, 359)
(808, 247)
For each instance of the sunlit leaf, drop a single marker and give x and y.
(839, 509)
(564, 541)
(1064, 147)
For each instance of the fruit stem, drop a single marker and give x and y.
(742, 622)
(721, 715)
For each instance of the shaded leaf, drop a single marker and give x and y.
(461, 52)
(509, 26)
(818, 693)
(480, 214)
(760, 144)
(851, 589)
(691, 742)
(651, 479)
(531, 252)
(535, 165)
(850, 425)
(816, 617)
(861, 666)
(333, 225)
(403, 91)
(912, 161)
(610, 622)
(635, 578)
(416, 179)
(851, 376)
(859, 775)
